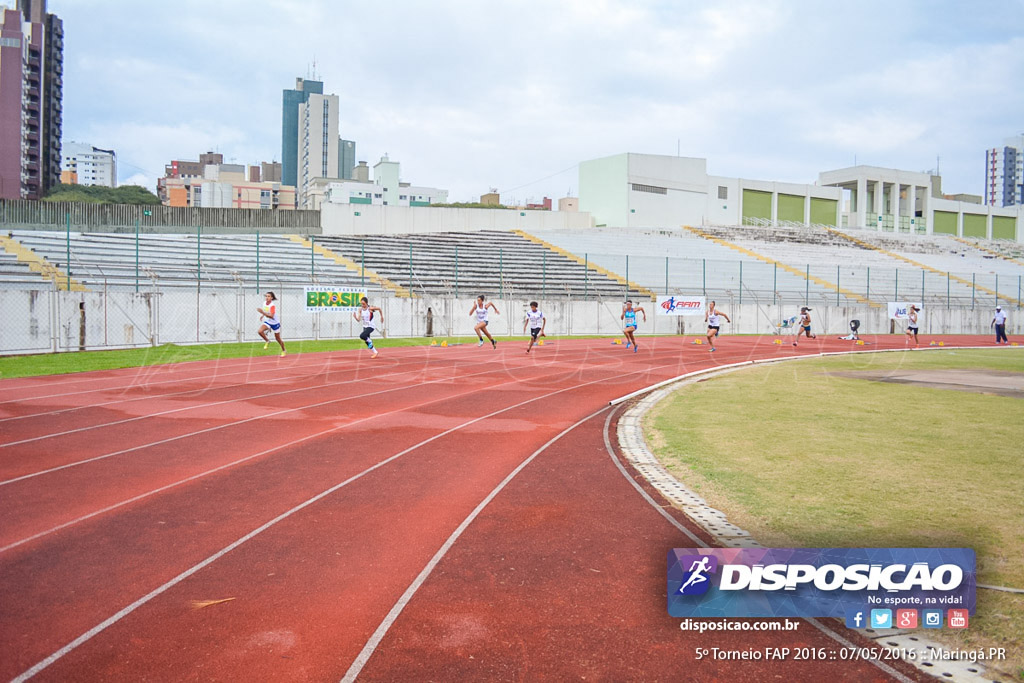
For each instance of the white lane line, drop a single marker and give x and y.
(281, 412)
(245, 459)
(418, 362)
(396, 609)
(236, 462)
(110, 621)
(834, 636)
(242, 399)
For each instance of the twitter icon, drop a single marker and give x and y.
(881, 618)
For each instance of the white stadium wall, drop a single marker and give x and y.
(45, 321)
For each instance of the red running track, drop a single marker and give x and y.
(435, 514)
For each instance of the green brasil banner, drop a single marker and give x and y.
(321, 298)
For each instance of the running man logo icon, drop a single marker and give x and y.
(696, 580)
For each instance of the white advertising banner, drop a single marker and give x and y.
(680, 305)
(324, 298)
(898, 309)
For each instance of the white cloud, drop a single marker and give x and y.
(470, 95)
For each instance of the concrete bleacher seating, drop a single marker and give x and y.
(680, 261)
(491, 262)
(175, 260)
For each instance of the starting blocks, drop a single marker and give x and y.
(433, 342)
(617, 342)
(860, 342)
(932, 344)
(698, 341)
(540, 342)
(777, 341)
(444, 343)
(1014, 344)
(942, 343)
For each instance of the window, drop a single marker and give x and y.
(654, 189)
(723, 192)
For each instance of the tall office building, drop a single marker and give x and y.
(291, 100)
(317, 143)
(31, 94)
(1004, 173)
(346, 158)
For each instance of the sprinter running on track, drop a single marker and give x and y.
(480, 311)
(365, 314)
(712, 316)
(269, 321)
(629, 317)
(537, 322)
(805, 324)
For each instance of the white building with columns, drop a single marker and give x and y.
(891, 200)
(655, 191)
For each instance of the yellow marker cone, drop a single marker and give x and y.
(942, 343)
(444, 343)
(433, 342)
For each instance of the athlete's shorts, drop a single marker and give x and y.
(367, 331)
(807, 328)
(534, 332)
(912, 329)
(714, 327)
(631, 328)
(274, 327)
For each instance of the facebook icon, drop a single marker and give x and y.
(856, 617)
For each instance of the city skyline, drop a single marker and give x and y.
(773, 91)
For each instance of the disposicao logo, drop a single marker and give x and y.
(817, 582)
(696, 581)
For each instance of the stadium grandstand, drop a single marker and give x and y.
(763, 264)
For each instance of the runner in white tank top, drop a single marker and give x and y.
(537, 322)
(712, 315)
(269, 321)
(365, 314)
(480, 311)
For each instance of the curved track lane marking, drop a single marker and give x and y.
(678, 525)
(371, 645)
(110, 621)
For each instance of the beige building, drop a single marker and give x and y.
(569, 204)
(221, 186)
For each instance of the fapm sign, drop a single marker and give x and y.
(328, 299)
(900, 310)
(680, 305)
(816, 582)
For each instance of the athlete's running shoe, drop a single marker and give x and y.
(628, 344)
(635, 348)
(283, 354)
(494, 344)
(374, 353)
(480, 343)
(712, 348)
(266, 345)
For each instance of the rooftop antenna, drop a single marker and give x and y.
(938, 170)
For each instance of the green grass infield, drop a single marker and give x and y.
(803, 457)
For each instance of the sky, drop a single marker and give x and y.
(471, 95)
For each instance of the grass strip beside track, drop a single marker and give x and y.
(802, 457)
